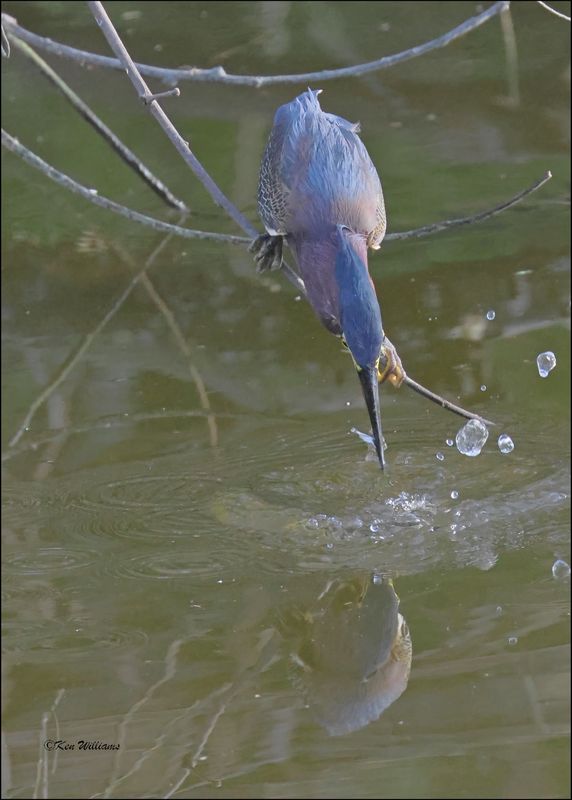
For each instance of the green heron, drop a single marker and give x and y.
(351, 650)
(320, 191)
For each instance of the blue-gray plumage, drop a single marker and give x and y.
(320, 191)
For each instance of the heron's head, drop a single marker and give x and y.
(360, 319)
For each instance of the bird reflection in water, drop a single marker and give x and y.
(351, 652)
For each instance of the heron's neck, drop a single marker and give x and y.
(359, 312)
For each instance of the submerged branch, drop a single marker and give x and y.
(127, 155)
(219, 75)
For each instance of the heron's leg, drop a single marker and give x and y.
(390, 367)
(267, 252)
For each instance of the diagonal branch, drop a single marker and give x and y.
(440, 401)
(127, 155)
(103, 202)
(173, 135)
(219, 74)
(553, 11)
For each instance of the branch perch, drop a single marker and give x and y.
(219, 75)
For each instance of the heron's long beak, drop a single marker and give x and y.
(369, 385)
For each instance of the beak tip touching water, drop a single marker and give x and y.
(369, 385)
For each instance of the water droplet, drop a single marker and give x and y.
(348, 403)
(560, 569)
(377, 579)
(545, 363)
(375, 526)
(312, 523)
(439, 456)
(505, 443)
(491, 315)
(483, 388)
(454, 494)
(449, 442)
(512, 640)
(471, 438)
(498, 611)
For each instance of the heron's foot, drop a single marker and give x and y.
(267, 252)
(390, 367)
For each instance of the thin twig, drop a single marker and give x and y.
(42, 765)
(435, 227)
(553, 11)
(55, 704)
(219, 75)
(176, 92)
(5, 44)
(108, 30)
(127, 155)
(99, 200)
(440, 401)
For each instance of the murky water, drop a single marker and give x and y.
(201, 563)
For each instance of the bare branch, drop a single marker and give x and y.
(99, 200)
(122, 150)
(440, 401)
(553, 11)
(5, 44)
(219, 74)
(102, 19)
(435, 227)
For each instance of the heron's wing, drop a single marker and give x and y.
(272, 191)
